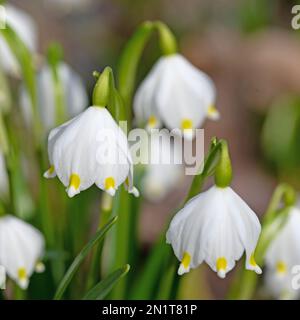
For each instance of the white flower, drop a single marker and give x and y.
(279, 285)
(284, 252)
(4, 181)
(2, 278)
(176, 94)
(25, 28)
(21, 248)
(75, 96)
(216, 226)
(164, 171)
(91, 148)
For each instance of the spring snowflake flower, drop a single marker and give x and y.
(176, 94)
(21, 249)
(26, 29)
(216, 226)
(282, 254)
(91, 148)
(76, 99)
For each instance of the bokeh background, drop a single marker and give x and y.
(249, 49)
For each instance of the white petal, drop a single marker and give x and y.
(21, 246)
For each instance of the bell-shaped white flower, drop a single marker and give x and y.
(75, 96)
(176, 94)
(21, 249)
(279, 285)
(90, 148)
(26, 29)
(216, 226)
(283, 252)
(4, 181)
(165, 170)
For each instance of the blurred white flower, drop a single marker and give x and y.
(279, 285)
(4, 181)
(164, 175)
(75, 96)
(216, 226)
(282, 254)
(91, 148)
(21, 249)
(26, 29)
(176, 94)
(2, 278)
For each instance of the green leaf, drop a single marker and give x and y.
(80, 257)
(103, 288)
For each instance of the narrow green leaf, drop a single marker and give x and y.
(80, 257)
(103, 288)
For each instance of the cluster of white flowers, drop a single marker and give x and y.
(216, 226)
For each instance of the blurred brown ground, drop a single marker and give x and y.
(250, 71)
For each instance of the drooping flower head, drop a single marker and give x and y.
(90, 149)
(216, 226)
(21, 249)
(176, 94)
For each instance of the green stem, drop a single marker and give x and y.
(167, 39)
(54, 59)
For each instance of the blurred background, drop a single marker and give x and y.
(249, 49)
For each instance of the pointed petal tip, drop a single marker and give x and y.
(40, 267)
(134, 191)
(111, 191)
(221, 274)
(188, 134)
(72, 192)
(23, 283)
(214, 116)
(182, 270)
(50, 173)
